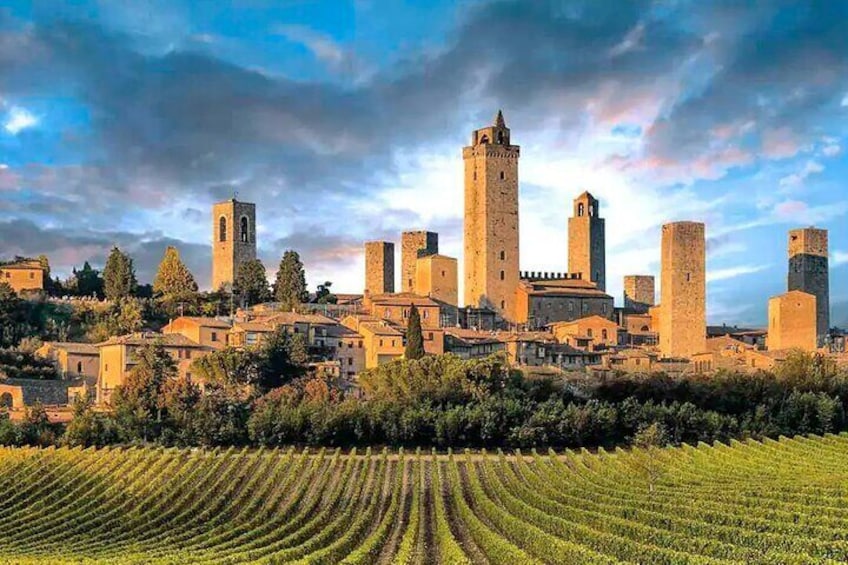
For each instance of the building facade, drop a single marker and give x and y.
(23, 275)
(436, 277)
(587, 241)
(792, 321)
(808, 272)
(233, 239)
(491, 219)
(413, 246)
(683, 316)
(639, 293)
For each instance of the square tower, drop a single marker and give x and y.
(683, 316)
(491, 219)
(233, 239)
(587, 241)
(413, 245)
(792, 321)
(379, 267)
(808, 272)
(436, 277)
(639, 293)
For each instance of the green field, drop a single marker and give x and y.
(772, 502)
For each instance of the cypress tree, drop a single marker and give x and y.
(414, 336)
(251, 283)
(119, 276)
(290, 285)
(173, 279)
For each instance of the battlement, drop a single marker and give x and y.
(549, 276)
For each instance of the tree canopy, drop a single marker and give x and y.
(251, 284)
(290, 285)
(119, 275)
(414, 336)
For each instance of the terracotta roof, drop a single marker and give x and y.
(473, 336)
(75, 347)
(525, 336)
(338, 330)
(402, 299)
(254, 326)
(562, 287)
(378, 328)
(22, 265)
(147, 338)
(206, 322)
(287, 318)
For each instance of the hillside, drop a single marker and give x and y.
(776, 501)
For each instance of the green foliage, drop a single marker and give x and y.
(251, 284)
(14, 319)
(414, 337)
(290, 284)
(85, 282)
(174, 283)
(89, 428)
(324, 295)
(17, 364)
(119, 276)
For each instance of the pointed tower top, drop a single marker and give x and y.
(499, 120)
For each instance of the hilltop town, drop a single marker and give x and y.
(543, 322)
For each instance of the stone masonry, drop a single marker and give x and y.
(415, 245)
(808, 272)
(587, 241)
(491, 219)
(639, 293)
(683, 324)
(792, 321)
(233, 239)
(379, 267)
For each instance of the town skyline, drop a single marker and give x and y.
(749, 172)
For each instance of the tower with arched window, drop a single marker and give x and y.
(491, 219)
(587, 241)
(233, 239)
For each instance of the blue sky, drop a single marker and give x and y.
(122, 122)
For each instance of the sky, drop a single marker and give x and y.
(122, 122)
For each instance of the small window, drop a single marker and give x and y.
(106, 367)
(430, 336)
(214, 336)
(503, 275)
(503, 175)
(381, 343)
(79, 367)
(590, 333)
(409, 282)
(688, 277)
(475, 175)
(581, 209)
(350, 361)
(32, 275)
(360, 344)
(503, 304)
(604, 335)
(222, 229)
(444, 274)
(503, 255)
(350, 345)
(245, 233)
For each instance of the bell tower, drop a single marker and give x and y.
(491, 219)
(587, 241)
(233, 239)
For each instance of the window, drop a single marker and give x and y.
(79, 367)
(425, 314)
(188, 377)
(360, 344)
(581, 209)
(503, 176)
(222, 229)
(475, 175)
(350, 345)
(214, 336)
(688, 277)
(503, 275)
(589, 332)
(388, 313)
(430, 336)
(604, 335)
(409, 282)
(32, 275)
(503, 304)
(503, 254)
(585, 308)
(444, 274)
(500, 137)
(381, 343)
(405, 313)
(571, 306)
(350, 361)
(106, 367)
(245, 233)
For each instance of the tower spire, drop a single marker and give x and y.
(499, 120)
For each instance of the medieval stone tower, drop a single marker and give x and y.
(414, 245)
(491, 219)
(639, 293)
(587, 241)
(233, 239)
(808, 272)
(379, 267)
(683, 312)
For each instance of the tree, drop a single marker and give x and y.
(251, 284)
(173, 279)
(414, 336)
(290, 286)
(50, 285)
(323, 295)
(87, 282)
(119, 275)
(13, 317)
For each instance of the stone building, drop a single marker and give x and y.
(23, 275)
(436, 276)
(808, 272)
(491, 219)
(639, 293)
(413, 246)
(599, 332)
(207, 331)
(683, 323)
(792, 321)
(587, 241)
(233, 239)
(72, 360)
(379, 267)
(543, 301)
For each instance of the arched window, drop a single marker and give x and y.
(222, 229)
(500, 137)
(591, 210)
(484, 140)
(581, 209)
(245, 230)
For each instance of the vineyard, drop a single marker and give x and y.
(771, 502)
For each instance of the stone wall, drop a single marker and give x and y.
(809, 272)
(414, 245)
(587, 241)
(683, 324)
(792, 321)
(379, 267)
(233, 239)
(639, 293)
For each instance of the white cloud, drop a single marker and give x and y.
(19, 119)
(845, 100)
(839, 258)
(733, 272)
(831, 150)
(3, 166)
(810, 168)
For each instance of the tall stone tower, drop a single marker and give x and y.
(683, 315)
(414, 245)
(639, 293)
(233, 239)
(379, 267)
(491, 219)
(808, 272)
(587, 241)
